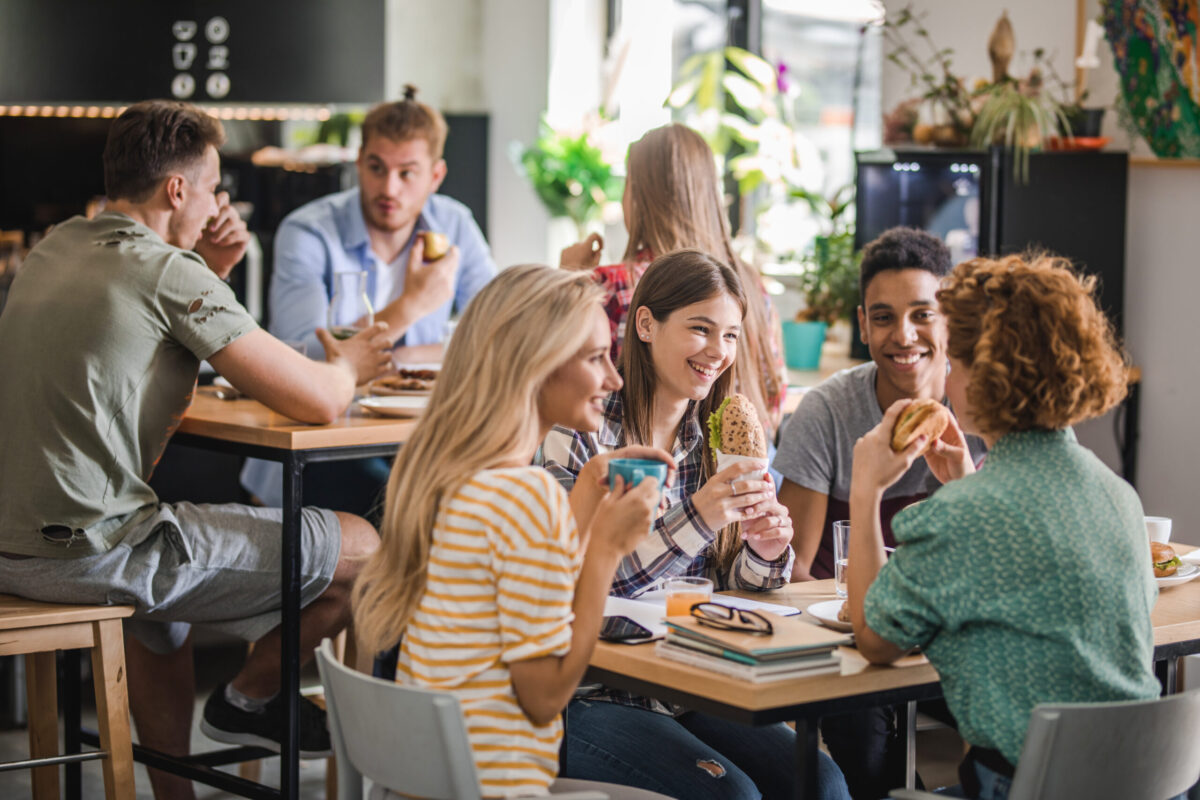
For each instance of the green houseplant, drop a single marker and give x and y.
(570, 175)
(829, 280)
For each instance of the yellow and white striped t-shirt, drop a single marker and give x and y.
(502, 573)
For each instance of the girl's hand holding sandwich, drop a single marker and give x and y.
(876, 465)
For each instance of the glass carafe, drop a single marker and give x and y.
(349, 308)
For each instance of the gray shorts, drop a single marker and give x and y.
(216, 565)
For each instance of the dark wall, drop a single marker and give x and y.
(237, 51)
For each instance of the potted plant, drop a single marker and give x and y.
(570, 175)
(1018, 114)
(829, 281)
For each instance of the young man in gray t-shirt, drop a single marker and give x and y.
(906, 335)
(901, 326)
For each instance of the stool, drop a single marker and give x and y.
(38, 630)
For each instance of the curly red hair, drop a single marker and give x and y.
(1041, 354)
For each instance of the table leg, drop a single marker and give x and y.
(289, 653)
(72, 740)
(1166, 669)
(806, 758)
(908, 719)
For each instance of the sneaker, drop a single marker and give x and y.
(225, 722)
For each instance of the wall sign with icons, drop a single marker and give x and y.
(288, 51)
(215, 58)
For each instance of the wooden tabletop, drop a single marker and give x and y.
(1176, 619)
(1176, 615)
(248, 421)
(856, 676)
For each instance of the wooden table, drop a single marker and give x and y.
(246, 427)
(859, 685)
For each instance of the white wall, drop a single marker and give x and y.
(1162, 241)
(485, 56)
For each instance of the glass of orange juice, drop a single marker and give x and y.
(683, 593)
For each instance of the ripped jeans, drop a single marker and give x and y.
(694, 756)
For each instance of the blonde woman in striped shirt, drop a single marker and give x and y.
(489, 574)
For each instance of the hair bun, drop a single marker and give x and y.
(410, 92)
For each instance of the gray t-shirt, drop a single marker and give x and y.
(816, 450)
(100, 344)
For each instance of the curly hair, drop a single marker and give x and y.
(903, 248)
(1041, 353)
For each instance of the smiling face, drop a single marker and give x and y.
(193, 192)
(692, 346)
(396, 179)
(906, 334)
(574, 394)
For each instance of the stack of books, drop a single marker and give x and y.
(795, 649)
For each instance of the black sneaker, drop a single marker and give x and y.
(225, 722)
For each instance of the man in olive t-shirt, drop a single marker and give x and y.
(100, 345)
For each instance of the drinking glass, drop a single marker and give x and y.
(683, 593)
(841, 552)
(349, 307)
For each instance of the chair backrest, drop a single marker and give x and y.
(401, 737)
(1146, 749)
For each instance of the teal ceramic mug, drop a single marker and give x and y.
(633, 470)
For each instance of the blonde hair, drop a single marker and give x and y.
(1040, 352)
(483, 414)
(676, 200)
(673, 281)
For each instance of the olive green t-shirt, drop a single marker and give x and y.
(100, 345)
(1028, 582)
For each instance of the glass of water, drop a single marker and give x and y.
(841, 551)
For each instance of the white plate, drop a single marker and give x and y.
(1193, 557)
(826, 613)
(395, 406)
(1182, 575)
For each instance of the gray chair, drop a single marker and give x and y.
(1146, 749)
(401, 737)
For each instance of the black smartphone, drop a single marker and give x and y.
(623, 629)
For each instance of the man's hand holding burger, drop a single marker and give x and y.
(428, 285)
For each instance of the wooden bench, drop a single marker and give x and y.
(38, 631)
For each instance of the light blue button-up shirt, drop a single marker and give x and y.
(329, 236)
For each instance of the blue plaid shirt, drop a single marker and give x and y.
(680, 542)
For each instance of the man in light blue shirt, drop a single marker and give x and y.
(375, 229)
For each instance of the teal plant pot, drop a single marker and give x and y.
(802, 343)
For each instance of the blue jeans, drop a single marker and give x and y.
(694, 756)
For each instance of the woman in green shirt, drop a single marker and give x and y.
(1028, 581)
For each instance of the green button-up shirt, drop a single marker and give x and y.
(1028, 582)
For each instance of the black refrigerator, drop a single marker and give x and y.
(1073, 205)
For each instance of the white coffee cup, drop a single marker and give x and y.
(1159, 529)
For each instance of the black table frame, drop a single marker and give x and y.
(807, 715)
(202, 767)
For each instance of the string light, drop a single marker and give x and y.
(253, 113)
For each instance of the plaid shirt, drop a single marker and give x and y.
(680, 542)
(616, 281)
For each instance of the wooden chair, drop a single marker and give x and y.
(38, 630)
